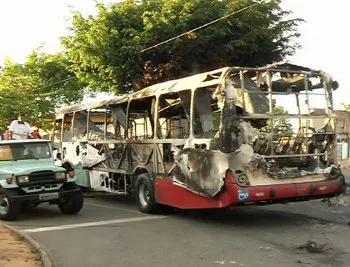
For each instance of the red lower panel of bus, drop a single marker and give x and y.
(166, 192)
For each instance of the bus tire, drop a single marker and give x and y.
(9, 208)
(145, 194)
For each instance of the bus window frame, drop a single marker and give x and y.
(157, 108)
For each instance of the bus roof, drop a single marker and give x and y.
(195, 81)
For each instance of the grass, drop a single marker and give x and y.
(20, 238)
(36, 253)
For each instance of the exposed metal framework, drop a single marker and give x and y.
(193, 130)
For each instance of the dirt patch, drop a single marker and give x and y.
(15, 251)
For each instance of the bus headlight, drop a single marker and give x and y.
(23, 179)
(60, 175)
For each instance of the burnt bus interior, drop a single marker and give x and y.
(267, 125)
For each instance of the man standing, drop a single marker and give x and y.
(19, 129)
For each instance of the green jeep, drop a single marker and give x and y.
(28, 177)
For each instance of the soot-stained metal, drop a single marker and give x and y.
(265, 125)
(257, 155)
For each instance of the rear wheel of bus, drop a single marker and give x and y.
(144, 194)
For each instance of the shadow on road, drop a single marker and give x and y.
(247, 216)
(271, 215)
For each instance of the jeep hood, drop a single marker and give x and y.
(23, 168)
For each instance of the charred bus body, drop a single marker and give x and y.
(210, 140)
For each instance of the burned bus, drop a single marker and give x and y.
(230, 136)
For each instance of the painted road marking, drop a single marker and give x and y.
(80, 225)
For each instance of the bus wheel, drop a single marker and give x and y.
(145, 194)
(9, 208)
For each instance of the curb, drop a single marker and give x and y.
(44, 257)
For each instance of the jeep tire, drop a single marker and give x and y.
(9, 208)
(74, 203)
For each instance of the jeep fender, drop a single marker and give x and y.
(5, 185)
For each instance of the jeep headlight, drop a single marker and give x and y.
(60, 175)
(23, 179)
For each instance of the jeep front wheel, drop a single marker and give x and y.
(9, 208)
(72, 204)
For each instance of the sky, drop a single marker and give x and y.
(27, 25)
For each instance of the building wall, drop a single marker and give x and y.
(343, 134)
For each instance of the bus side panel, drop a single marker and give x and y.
(82, 177)
(169, 193)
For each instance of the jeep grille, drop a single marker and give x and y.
(41, 175)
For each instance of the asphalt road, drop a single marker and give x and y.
(110, 231)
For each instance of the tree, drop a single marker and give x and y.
(281, 126)
(345, 106)
(105, 50)
(36, 88)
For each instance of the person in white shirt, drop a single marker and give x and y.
(19, 129)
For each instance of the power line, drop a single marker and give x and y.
(61, 81)
(202, 26)
(38, 89)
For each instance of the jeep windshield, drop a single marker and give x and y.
(22, 151)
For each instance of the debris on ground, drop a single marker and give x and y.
(313, 247)
(341, 200)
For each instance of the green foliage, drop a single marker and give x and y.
(345, 106)
(105, 50)
(279, 126)
(20, 238)
(36, 88)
